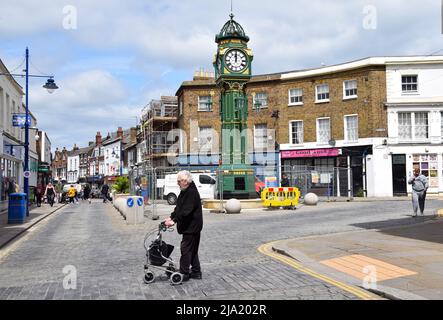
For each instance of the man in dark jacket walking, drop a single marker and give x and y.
(189, 219)
(105, 190)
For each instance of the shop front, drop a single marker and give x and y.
(429, 159)
(342, 171)
(9, 177)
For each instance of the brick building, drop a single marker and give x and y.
(318, 118)
(60, 165)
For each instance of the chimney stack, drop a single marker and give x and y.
(98, 139)
(120, 132)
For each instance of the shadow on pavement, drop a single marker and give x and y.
(409, 227)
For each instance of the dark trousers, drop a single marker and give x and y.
(189, 253)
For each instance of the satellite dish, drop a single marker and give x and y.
(332, 142)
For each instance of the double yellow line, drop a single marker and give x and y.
(266, 249)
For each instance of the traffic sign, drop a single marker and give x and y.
(27, 174)
(19, 119)
(130, 202)
(140, 201)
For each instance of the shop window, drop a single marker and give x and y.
(428, 165)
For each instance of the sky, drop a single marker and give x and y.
(110, 58)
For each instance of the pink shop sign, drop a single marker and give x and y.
(312, 153)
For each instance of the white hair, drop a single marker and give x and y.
(186, 175)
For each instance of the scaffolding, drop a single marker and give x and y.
(159, 117)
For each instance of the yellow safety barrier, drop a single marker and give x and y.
(280, 197)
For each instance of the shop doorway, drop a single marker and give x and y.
(399, 174)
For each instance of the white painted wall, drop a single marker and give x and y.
(112, 162)
(430, 82)
(46, 148)
(11, 98)
(379, 172)
(73, 168)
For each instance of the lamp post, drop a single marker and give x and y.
(50, 86)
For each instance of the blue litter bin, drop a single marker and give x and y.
(17, 208)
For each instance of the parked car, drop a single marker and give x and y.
(205, 184)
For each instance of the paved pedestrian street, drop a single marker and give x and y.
(93, 242)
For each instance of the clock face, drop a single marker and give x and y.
(236, 60)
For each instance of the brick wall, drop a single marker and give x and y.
(371, 86)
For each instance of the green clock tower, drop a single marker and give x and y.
(232, 65)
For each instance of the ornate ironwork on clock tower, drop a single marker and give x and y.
(232, 65)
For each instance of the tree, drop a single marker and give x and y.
(121, 185)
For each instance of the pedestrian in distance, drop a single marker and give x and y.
(71, 193)
(50, 193)
(104, 192)
(189, 219)
(78, 190)
(284, 181)
(39, 195)
(86, 193)
(59, 192)
(419, 187)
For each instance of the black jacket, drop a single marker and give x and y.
(105, 189)
(284, 182)
(188, 212)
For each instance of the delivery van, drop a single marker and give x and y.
(205, 183)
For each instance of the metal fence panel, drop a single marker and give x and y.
(325, 182)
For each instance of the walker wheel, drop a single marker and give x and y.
(176, 278)
(149, 277)
(169, 271)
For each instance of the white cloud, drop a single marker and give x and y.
(124, 54)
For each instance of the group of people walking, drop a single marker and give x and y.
(55, 193)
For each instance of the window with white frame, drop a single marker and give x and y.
(262, 99)
(350, 89)
(205, 138)
(409, 83)
(351, 128)
(260, 136)
(323, 130)
(322, 93)
(204, 103)
(296, 131)
(413, 126)
(421, 127)
(295, 96)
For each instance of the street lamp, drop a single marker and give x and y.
(51, 87)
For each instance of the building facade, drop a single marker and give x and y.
(73, 165)
(11, 138)
(60, 166)
(415, 123)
